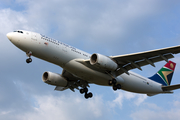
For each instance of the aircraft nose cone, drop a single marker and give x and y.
(9, 36)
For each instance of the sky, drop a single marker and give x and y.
(108, 27)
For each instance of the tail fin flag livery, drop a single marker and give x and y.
(164, 75)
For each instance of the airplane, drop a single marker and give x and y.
(80, 69)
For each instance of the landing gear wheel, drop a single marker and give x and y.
(110, 82)
(90, 95)
(28, 60)
(115, 87)
(114, 81)
(86, 96)
(118, 86)
(29, 53)
(81, 91)
(85, 89)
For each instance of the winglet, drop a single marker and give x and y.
(164, 75)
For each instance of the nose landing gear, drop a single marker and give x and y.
(29, 60)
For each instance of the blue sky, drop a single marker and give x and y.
(109, 27)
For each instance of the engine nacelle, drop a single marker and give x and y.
(54, 79)
(103, 62)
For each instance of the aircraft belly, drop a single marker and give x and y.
(86, 73)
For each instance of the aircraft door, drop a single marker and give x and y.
(64, 49)
(33, 36)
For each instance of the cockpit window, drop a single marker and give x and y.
(19, 31)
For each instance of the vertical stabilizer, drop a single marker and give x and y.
(164, 75)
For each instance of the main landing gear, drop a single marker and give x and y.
(29, 60)
(86, 95)
(115, 86)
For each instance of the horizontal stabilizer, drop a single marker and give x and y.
(171, 87)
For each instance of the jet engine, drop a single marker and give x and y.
(54, 79)
(103, 62)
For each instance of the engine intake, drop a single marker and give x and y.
(103, 62)
(54, 79)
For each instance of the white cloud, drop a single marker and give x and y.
(96, 20)
(147, 114)
(116, 26)
(140, 99)
(176, 104)
(65, 107)
(155, 111)
(11, 20)
(152, 106)
(123, 96)
(4, 112)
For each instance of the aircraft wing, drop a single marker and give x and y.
(136, 60)
(69, 76)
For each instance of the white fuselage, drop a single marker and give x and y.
(67, 57)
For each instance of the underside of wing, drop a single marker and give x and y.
(73, 82)
(68, 76)
(137, 60)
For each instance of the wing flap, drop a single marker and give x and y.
(138, 64)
